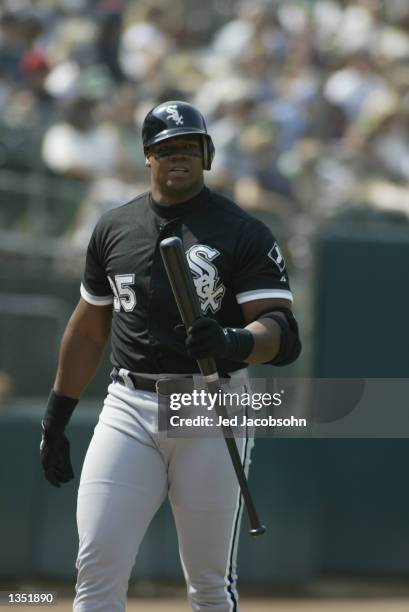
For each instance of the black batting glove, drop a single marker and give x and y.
(207, 338)
(55, 455)
(55, 447)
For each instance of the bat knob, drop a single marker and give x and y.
(170, 243)
(258, 531)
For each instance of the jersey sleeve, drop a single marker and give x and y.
(95, 287)
(260, 266)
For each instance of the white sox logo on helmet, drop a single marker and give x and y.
(206, 277)
(172, 109)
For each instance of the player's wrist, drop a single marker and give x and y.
(239, 343)
(59, 410)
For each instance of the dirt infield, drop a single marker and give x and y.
(252, 605)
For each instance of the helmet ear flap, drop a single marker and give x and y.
(208, 152)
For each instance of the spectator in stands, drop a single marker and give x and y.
(80, 146)
(12, 45)
(34, 68)
(144, 44)
(108, 37)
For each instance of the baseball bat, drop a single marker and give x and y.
(184, 291)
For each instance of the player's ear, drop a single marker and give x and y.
(147, 156)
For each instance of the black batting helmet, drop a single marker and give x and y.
(176, 118)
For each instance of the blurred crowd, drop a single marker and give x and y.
(307, 101)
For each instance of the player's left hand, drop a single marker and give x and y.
(207, 338)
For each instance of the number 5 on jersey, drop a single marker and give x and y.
(123, 294)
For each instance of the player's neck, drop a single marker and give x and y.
(165, 198)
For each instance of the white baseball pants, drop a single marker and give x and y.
(128, 471)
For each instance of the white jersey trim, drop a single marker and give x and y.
(262, 294)
(96, 300)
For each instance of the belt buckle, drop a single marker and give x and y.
(162, 386)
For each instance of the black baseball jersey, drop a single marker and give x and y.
(233, 258)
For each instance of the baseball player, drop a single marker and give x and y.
(130, 466)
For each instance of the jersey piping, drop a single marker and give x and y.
(260, 294)
(95, 300)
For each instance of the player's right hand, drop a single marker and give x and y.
(55, 455)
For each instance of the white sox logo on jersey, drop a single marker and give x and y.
(206, 276)
(172, 109)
